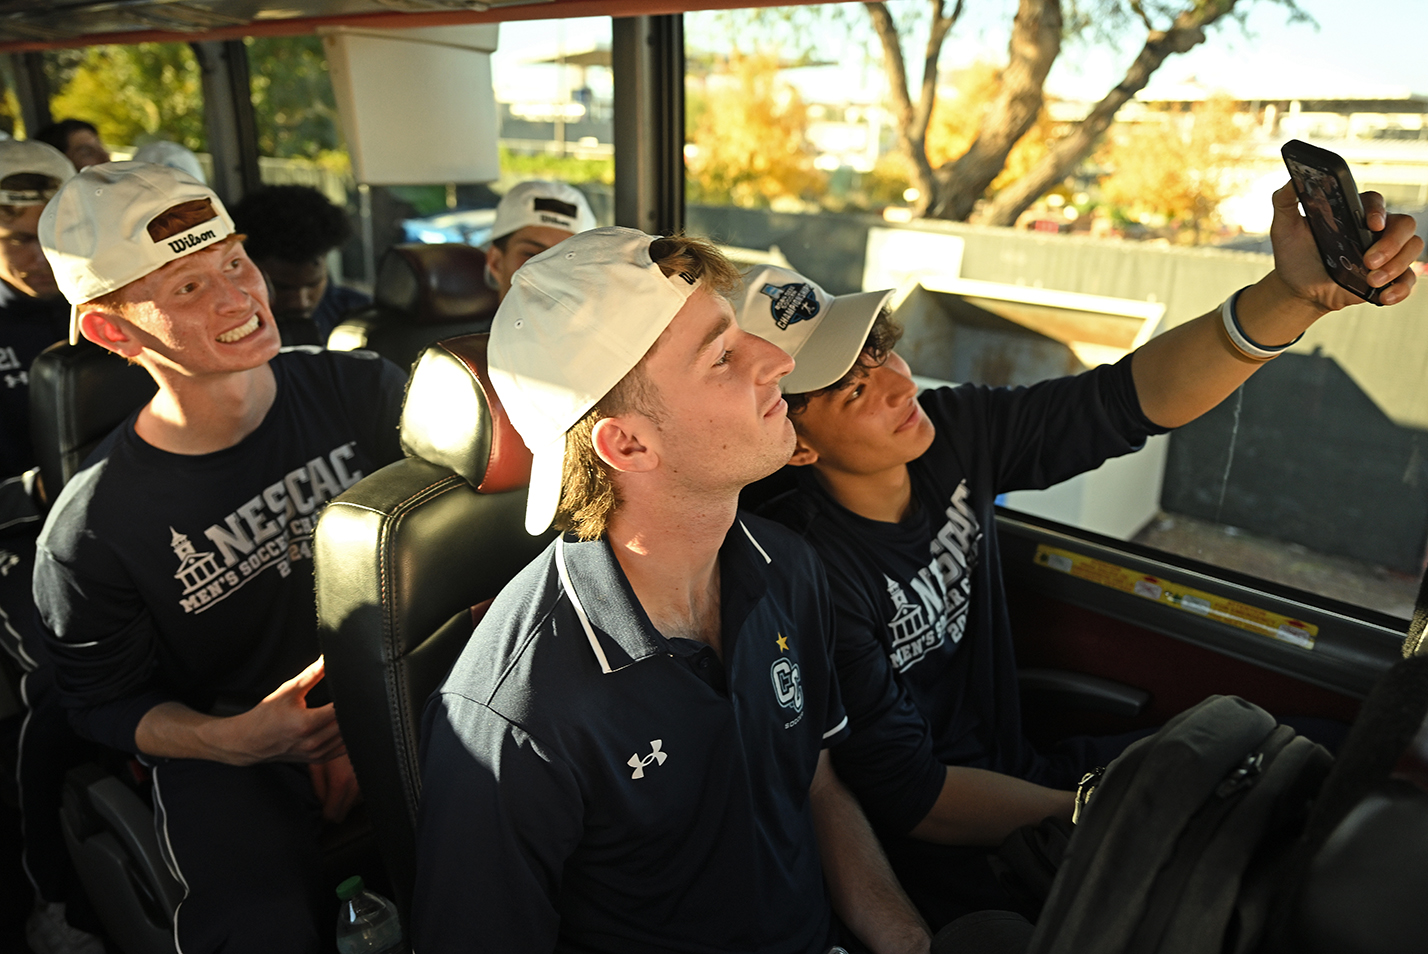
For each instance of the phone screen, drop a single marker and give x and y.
(1334, 226)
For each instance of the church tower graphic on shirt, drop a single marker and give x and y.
(195, 569)
(907, 625)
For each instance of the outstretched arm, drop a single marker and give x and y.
(865, 892)
(1191, 368)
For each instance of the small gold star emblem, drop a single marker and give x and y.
(782, 642)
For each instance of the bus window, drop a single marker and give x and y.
(131, 95)
(1313, 476)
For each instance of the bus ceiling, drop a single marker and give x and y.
(34, 25)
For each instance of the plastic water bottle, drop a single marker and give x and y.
(367, 922)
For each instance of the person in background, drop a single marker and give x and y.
(165, 153)
(33, 316)
(530, 218)
(290, 230)
(77, 139)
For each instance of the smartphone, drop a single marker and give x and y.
(1330, 201)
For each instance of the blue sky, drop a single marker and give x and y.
(1347, 50)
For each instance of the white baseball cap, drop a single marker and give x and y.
(822, 332)
(31, 158)
(165, 153)
(578, 317)
(96, 230)
(558, 205)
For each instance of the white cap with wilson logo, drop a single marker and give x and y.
(31, 172)
(823, 333)
(108, 227)
(578, 317)
(557, 205)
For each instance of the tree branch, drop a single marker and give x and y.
(911, 126)
(941, 26)
(1187, 31)
(1035, 44)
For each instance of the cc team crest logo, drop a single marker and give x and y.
(787, 683)
(791, 303)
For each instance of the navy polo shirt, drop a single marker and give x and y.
(589, 785)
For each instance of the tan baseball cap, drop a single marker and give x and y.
(110, 225)
(578, 317)
(823, 333)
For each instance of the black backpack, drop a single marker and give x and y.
(1186, 843)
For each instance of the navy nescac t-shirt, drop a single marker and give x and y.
(27, 327)
(589, 785)
(924, 651)
(165, 576)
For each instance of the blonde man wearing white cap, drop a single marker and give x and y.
(531, 218)
(174, 573)
(630, 753)
(897, 494)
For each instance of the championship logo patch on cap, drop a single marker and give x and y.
(791, 303)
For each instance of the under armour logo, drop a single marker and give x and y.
(655, 756)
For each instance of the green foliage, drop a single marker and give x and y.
(133, 93)
(293, 104)
(516, 167)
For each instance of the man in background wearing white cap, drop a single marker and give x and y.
(630, 754)
(897, 495)
(33, 316)
(174, 574)
(531, 218)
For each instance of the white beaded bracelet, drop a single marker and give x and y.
(1241, 341)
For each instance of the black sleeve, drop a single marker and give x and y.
(19, 513)
(887, 759)
(499, 817)
(105, 683)
(837, 725)
(1040, 435)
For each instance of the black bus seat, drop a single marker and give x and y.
(423, 293)
(78, 394)
(406, 562)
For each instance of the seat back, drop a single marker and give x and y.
(406, 562)
(78, 394)
(423, 293)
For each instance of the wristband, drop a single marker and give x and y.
(1241, 341)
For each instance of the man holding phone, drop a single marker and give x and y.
(897, 493)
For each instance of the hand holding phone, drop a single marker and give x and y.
(1330, 201)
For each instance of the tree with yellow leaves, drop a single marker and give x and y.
(956, 120)
(1176, 164)
(135, 93)
(749, 145)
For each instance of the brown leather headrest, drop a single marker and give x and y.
(453, 418)
(432, 284)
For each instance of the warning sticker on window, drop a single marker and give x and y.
(1227, 611)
